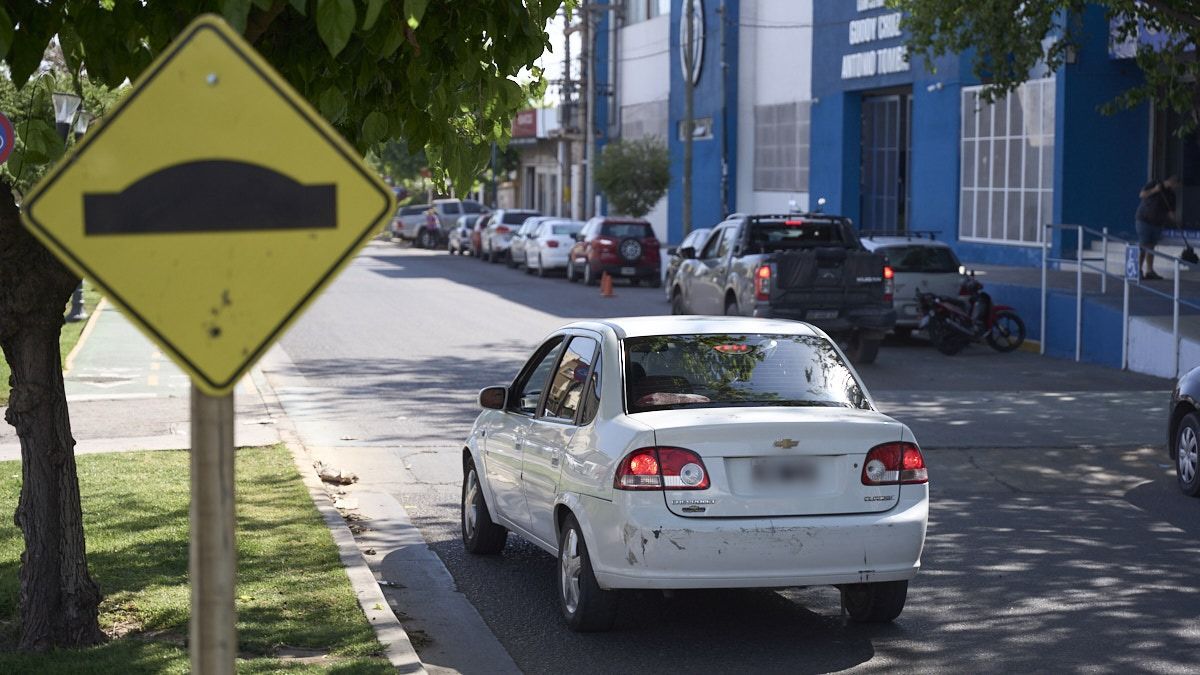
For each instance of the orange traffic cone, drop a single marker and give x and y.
(606, 290)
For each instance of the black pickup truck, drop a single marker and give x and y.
(804, 266)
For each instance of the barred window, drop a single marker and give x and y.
(641, 10)
(781, 147)
(644, 119)
(1007, 184)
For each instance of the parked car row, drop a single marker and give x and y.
(428, 225)
(622, 247)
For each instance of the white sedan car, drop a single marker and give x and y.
(697, 452)
(547, 246)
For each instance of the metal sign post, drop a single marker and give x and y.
(212, 555)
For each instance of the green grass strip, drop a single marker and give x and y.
(292, 591)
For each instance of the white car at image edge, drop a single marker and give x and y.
(697, 452)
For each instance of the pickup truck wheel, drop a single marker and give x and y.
(863, 350)
(425, 239)
(731, 307)
(903, 332)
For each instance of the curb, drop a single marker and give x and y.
(388, 630)
(84, 335)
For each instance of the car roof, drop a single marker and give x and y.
(641, 326)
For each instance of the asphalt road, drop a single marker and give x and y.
(1057, 540)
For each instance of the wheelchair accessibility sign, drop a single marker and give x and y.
(1133, 271)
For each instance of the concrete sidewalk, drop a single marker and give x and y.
(124, 394)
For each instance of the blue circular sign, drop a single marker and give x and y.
(7, 138)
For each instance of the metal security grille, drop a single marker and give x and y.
(781, 134)
(1007, 181)
(885, 141)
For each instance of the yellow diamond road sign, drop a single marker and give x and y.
(213, 204)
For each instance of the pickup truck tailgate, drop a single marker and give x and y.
(827, 277)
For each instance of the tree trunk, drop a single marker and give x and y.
(59, 601)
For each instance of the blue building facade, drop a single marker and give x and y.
(911, 146)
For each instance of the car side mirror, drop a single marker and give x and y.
(493, 398)
(687, 252)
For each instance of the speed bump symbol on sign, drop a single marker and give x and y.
(212, 204)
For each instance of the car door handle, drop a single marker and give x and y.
(554, 461)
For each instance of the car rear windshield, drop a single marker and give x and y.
(472, 207)
(566, 228)
(925, 259)
(517, 217)
(451, 208)
(798, 234)
(622, 230)
(666, 372)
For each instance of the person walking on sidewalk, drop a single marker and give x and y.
(1156, 211)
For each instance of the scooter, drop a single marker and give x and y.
(954, 323)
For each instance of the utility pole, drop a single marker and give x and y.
(587, 53)
(568, 109)
(689, 63)
(724, 116)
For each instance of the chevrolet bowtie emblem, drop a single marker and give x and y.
(786, 443)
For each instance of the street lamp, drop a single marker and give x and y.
(65, 106)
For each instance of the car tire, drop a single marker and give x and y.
(903, 332)
(510, 260)
(541, 268)
(425, 239)
(1187, 455)
(589, 277)
(480, 535)
(731, 307)
(677, 306)
(585, 606)
(571, 271)
(863, 350)
(874, 603)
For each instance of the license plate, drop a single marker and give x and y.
(628, 271)
(821, 314)
(784, 470)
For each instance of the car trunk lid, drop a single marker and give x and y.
(777, 461)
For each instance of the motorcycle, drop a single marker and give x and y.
(954, 323)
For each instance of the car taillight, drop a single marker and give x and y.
(551, 244)
(889, 282)
(502, 230)
(762, 283)
(895, 464)
(661, 469)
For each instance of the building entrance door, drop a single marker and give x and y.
(1175, 155)
(886, 135)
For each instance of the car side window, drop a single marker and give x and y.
(570, 381)
(591, 398)
(527, 392)
(710, 249)
(728, 236)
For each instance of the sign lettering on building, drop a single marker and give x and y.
(870, 29)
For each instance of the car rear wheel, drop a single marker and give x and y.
(541, 270)
(480, 535)
(571, 271)
(677, 306)
(585, 606)
(874, 603)
(589, 277)
(425, 239)
(1187, 455)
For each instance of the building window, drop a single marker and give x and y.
(781, 147)
(702, 129)
(641, 10)
(1006, 189)
(645, 119)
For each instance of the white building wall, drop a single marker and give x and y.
(774, 66)
(644, 79)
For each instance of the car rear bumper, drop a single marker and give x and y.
(640, 271)
(635, 543)
(874, 319)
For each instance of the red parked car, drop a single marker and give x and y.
(477, 235)
(623, 247)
